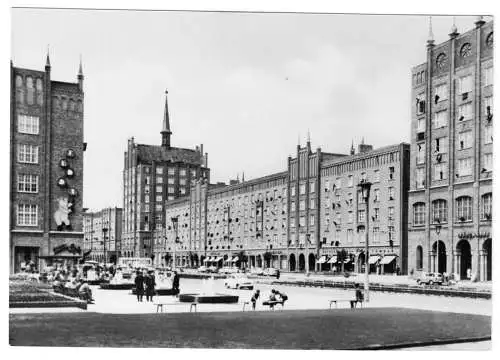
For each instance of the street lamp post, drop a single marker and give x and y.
(308, 239)
(365, 186)
(175, 224)
(104, 231)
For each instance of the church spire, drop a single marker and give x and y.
(165, 131)
(80, 74)
(352, 148)
(47, 61)
(430, 37)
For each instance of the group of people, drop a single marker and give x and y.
(275, 297)
(145, 282)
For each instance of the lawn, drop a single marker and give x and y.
(297, 329)
(30, 291)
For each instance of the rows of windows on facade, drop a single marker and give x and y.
(31, 118)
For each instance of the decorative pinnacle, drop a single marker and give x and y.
(430, 38)
(47, 62)
(80, 68)
(454, 27)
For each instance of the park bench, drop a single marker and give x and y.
(352, 301)
(273, 303)
(192, 306)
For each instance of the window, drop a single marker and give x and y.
(391, 172)
(486, 202)
(27, 183)
(327, 185)
(350, 180)
(439, 211)
(464, 208)
(182, 172)
(361, 216)
(350, 199)
(311, 187)
(464, 112)
(159, 180)
(488, 107)
(159, 207)
(27, 154)
(171, 171)
(302, 189)
(363, 176)
(465, 84)
(159, 170)
(39, 90)
(146, 199)
(302, 205)
(350, 217)
(338, 183)
(31, 90)
(361, 199)
(440, 171)
(28, 124)
(419, 214)
(391, 193)
(420, 258)
(292, 223)
(421, 125)
(465, 167)
(440, 145)
(158, 198)
(159, 189)
(170, 197)
(376, 214)
(440, 119)
(421, 153)
(193, 173)
(420, 103)
(350, 234)
(171, 181)
(488, 162)
(147, 180)
(390, 213)
(311, 220)
(465, 140)
(302, 221)
(376, 195)
(488, 76)
(441, 93)
(27, 215)
(376, 176)
(376, 234)
(488, 134)
(146, 208)
(312, 203)
(182, 181)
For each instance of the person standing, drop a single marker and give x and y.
(254, 298)
(175, 282)
(150, 286)
(139, 286)
(277, 274)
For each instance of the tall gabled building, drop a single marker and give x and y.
(153, 174)
(46, 168)
(450, 192)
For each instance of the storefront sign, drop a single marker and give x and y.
(470, 236)
(64, 247)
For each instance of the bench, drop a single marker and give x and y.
(191, 306)
(353, 302)
(273, 303)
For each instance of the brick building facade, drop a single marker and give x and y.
(285, 220)
(46, 168)
(153, 174)
(102, 234)
(452, 156)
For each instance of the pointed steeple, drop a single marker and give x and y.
(363, 140)
(243, 177)
(47, 61)
(80, 74)
(430, 37)
(165, 131)
(352, 148)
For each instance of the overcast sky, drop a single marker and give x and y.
(243, 84)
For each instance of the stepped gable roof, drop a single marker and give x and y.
(149, 153)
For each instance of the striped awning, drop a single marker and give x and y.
(333, 260)
(387, 259)
(373, 259)
(322, 259)
(235, 259)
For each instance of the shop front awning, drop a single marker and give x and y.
(322, 259)
(387, 259)
(373, 259)
(333, 260)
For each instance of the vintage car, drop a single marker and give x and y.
(238, 281)
(257, 271)
(270, 272)
(429, 278)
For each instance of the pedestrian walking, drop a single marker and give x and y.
(150, 286)
(175, 282)
(358, 296)
(139, 286)
(277, 274)
(254, 298)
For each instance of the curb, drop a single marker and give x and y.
(424, 343)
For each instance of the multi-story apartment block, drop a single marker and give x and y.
(451, 156)
(102, 234)
(152, 175)
(46, 168)
(285, 220)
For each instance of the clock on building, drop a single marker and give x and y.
(466, 50)
(441, 60)
(489, 40)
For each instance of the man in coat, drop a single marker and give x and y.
(139, 286)
(150, 285)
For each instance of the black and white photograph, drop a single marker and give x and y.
(249, 179)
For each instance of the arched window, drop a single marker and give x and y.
(19, 81)
(55, 102)
(64, 103)
(39, 91)
(72, 105)
(419, 213)
(31, 90)
(486, 201)
(439, 211)
(464, 208)
(419, 258)
(80, 105)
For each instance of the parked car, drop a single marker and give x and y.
(203, 269)
(238, 281)
(257, 271)
(270, 272)
(430, 279)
